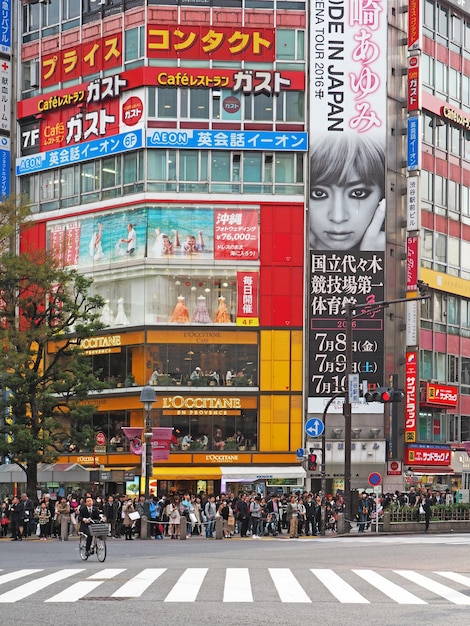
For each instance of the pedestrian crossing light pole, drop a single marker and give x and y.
(148, 397)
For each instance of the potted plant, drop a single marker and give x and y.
(230, 444)
(164, 380)
(130, 380)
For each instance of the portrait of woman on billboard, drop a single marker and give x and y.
(347, 193)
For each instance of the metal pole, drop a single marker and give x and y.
(347, 412)
(340, 394)
(148, 457)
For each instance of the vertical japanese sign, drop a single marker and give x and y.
(411, 396)
(247, 299)
(412, 265)
(348, 115)
(337, 279)
(414, 87)
(5, 27)
(414, 25)
(236, 234)
(412, 211)
(414, 143)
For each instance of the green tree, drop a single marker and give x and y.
(45, 313)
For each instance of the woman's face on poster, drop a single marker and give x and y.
(340, 215)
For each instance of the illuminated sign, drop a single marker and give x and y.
(411, 396)
(441, 395)
(456, 116)
(423, 454)
(227, 140)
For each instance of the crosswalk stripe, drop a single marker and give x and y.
(107, 573)
(136, 586)
(188, 585)
(21, 592)
(6, 578)
(431, 585)
(287, 585)
(76, 591)
(341, 590)
(237, 585)
(389, 588)
(457, 578)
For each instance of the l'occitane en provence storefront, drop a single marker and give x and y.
(222, 438)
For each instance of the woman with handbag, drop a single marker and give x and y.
(127, 522)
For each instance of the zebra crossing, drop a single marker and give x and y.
(237, 585)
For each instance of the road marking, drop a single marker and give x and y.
(237, 585)
(287, 585)
(106, 574)
(136, 586)
(76, 591)
(457, 578)
(341, 590)
(21, 592)
(387, 587)
(431, 585)
(188, 585)
(6, 578)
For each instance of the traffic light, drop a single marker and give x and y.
(384, 395)
(312, 462)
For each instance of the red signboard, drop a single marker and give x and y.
(412, 265)
(100, 438)
(440, 395)
(83, 59)
(247, 298)
(186, 41)
(413, 84)
(161, 441)
(411, 396)
(427, 455)
(236, 235)
(414, 24)
(238, 81)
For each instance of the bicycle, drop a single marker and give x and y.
(99, 532)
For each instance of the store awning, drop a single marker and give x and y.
(431, 471)
(12, 473)
(262, 473)
(186, 473)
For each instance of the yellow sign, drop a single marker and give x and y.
(247, 321)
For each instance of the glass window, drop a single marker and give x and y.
(50, 12)
(453, 368)
(252, 167)
(456, 34)
(440, 134)
(465, 313)
(426, 246)
(465, 375)
(454, 85)
(465, 259)
(440, 190)
(69, 181)
(429, 6)
(453, 252)
(30, 17)
(167, 102)
(441, 373)
(220, 166)
(439, 310)
(286, 44)
(440, 76)
(441, 251)
(465, 428)
(290, 106)
(427, 179)
(442, 24)
(111, 172)
(157, 162)
(199, 103)
(90, 180)
(426, 364)
(453, 310)
(188, 166)
(133, 44)
(49, 185)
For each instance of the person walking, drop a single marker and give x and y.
(425, 509)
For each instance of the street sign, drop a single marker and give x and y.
(314, 427)
(353, 387)
(100, 438)
(300, 453)
(375, 479)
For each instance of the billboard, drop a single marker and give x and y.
(346, 207)
(336, 279)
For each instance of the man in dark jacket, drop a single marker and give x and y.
(243, 514)
(87, 514)
(28, 516)
(16, 519)
(310, 515)
(110, 511)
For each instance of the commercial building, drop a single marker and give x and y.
(163, 147)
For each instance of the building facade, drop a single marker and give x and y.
(231, 173)
(163, 149)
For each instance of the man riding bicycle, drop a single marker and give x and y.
(87, 514)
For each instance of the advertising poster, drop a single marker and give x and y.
(346, 208)
(162, 233)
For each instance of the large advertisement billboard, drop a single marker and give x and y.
(346, 207)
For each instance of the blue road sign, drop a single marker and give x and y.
(314, 427)
(375, 479)
(300, 453)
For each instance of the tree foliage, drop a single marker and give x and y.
(45, 313)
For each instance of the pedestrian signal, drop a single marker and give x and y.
(312, 462)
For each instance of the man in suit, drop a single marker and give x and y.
(87, 514)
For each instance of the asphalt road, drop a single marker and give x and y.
(342, 581)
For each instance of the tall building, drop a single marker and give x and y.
(163, 148)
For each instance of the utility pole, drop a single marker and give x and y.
(347, 412)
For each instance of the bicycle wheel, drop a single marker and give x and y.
(82, 548)
(100, 548)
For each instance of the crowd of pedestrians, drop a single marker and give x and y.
(245, 514)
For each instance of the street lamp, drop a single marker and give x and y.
(148, 397)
